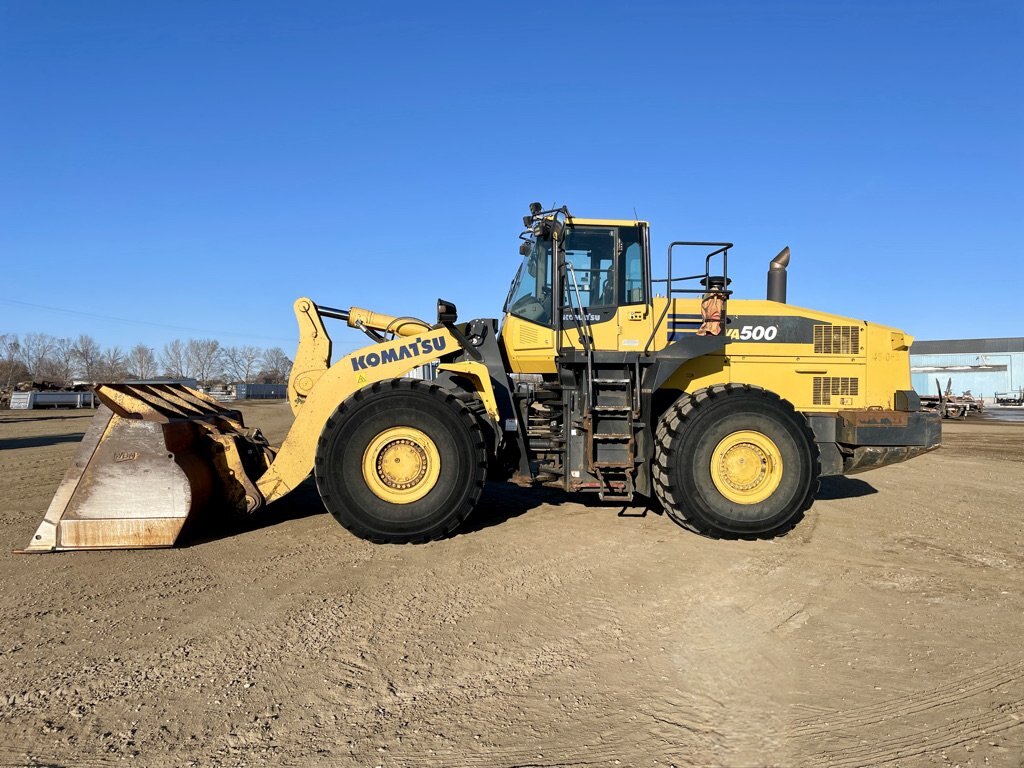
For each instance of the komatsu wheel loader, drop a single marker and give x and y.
(724, 411)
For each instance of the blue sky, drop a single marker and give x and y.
(196, 166)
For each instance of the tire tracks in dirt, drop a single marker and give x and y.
(995, 693)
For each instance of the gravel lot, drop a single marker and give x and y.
(885, 630)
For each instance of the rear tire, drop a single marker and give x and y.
(735, 461)
(401, 461)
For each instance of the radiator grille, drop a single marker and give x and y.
(827, 386)
(837, 339)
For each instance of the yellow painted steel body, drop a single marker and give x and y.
(376, 362)
(480, 378)
(746, 467)
(607, 222)
(313, 357)
(817, 361)
(821, 372)
(400, 326)
(401, 465)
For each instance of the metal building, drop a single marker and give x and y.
(245, 391)
(986, 367)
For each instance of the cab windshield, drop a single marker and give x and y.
(530, 295)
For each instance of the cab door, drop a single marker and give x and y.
(607, 268)
(590, 286)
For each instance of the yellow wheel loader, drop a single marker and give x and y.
(724, 411)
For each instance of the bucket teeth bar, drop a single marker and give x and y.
(156, 458)
(161, 402)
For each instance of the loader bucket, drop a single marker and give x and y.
(154, 460)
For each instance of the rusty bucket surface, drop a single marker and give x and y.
(154, 458)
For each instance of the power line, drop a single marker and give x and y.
(141, 322)
(344, 343)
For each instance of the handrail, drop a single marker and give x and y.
(584, 332)
(720, 249)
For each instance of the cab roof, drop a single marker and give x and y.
(608, 222)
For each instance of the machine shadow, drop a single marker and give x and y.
(842, 487)
(499, 503)
(9, 443)
(23, 419)
(304, 501)
(503, 501)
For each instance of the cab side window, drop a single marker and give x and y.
(632, 274)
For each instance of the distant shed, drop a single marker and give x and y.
(986, 367)
(260, 391)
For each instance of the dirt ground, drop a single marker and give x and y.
(885, 630)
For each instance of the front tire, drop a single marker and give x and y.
(401, 461)
(735, 461)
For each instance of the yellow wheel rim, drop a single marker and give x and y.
(401, 465)
(746, 467)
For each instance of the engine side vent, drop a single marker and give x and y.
(837, 339)
(825, 387)
(533, 337)
(528, 335)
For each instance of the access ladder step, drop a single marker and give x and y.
(611, 438)
(613, 382)
(614, 497)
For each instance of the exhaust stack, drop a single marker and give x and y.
(777, 276)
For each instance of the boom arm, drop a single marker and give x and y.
(316, 388)
(313, 356)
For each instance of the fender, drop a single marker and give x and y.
(477, 373)
(365, 366)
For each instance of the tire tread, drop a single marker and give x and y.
(673, 423)
(464, 413)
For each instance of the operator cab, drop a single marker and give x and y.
(594, 266)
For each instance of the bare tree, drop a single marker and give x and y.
(276, 366)
(141, 362)
(50, 369)
(111, 367)
(204, 358)
(36, 351)
(11, 353)
(242, 363)
(63, 360)
(88, 357)
(174, 360)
